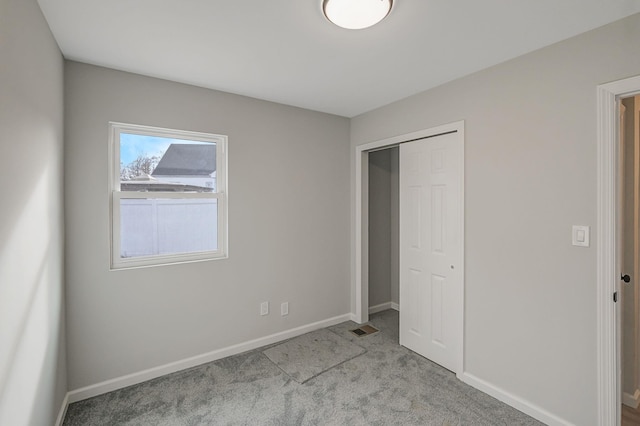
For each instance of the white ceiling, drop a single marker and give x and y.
(286, 51)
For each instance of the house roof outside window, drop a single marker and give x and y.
(187, 160)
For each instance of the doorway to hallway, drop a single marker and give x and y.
(629, 356)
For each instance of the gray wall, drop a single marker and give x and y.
(32, 344)
(383, 227)
(379, 227)
(288, 227)
(530, 173)
(395, 225)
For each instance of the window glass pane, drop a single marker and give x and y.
(152, 163)
(155, 226)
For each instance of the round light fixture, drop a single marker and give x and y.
(356, 14)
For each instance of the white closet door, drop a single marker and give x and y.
(431, 248)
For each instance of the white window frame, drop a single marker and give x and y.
(115, 195)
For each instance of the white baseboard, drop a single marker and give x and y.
(516, 402)
(631, 400)
(63, 410)
(151, 373)
(383, 307)
(379, 308)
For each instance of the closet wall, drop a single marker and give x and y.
(383, 227)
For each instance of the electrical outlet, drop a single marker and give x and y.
(264, 308)
(284, 309)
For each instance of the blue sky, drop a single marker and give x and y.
(132, 146)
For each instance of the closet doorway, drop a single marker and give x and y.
(431, 240)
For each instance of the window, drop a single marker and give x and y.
(168, 196)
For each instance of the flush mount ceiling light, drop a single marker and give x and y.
(356, 14)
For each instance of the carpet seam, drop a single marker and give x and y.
(364, 351)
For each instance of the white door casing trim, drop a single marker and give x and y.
(361, 249)
(608, 270)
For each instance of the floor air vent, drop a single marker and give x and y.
(364, 330)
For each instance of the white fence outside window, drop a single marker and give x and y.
(167, 226)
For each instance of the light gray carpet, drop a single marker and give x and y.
(306, 356)
(386, 385)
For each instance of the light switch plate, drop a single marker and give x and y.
(580, 236)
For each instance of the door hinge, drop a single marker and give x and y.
(615, 297)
